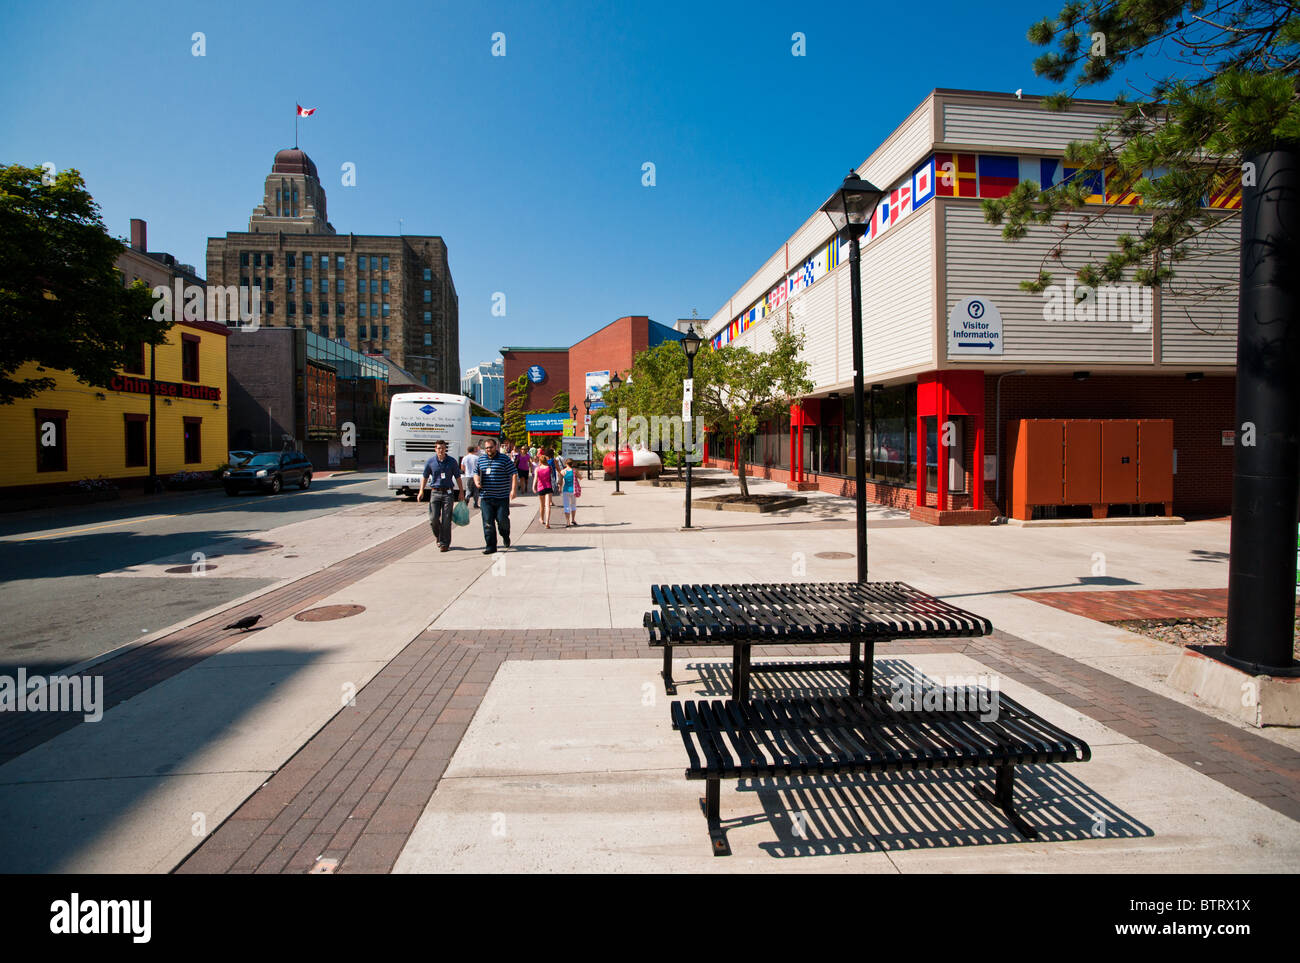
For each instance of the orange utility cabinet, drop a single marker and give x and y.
(1096, 462)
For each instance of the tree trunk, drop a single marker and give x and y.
(740, 464)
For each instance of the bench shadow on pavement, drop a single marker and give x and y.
(829, 815)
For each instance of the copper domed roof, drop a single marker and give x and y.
(291, 160)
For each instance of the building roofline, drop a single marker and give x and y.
(515, 347)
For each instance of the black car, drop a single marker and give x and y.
(269, 471)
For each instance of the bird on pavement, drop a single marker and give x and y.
(244, 624)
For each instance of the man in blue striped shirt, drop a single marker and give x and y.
(496, 480)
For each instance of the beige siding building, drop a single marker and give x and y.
(928, 256)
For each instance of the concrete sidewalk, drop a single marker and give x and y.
(475, 681)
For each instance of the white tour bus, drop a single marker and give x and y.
(416, 421)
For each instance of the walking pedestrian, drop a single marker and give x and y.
(442, 474)
(570, 489)
(468, 468)
(545, 486)
(496, 481)
(523, 466)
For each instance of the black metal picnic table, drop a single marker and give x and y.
(799, 613)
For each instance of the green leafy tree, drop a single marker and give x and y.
(735, 388)
(62, 301)
(513, 425)
(1193, 126)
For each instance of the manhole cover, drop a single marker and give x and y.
(328, 613)
(259, 547)
(834, 555)
(196, 568)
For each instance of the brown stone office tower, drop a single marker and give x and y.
(392, 295)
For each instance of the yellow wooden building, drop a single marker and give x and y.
(75, 431)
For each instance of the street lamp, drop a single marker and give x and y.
(616, 382)
(691, 345)
(849, 210)
(586, 430)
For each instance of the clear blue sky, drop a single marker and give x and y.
(528, 165)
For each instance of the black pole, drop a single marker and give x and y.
(152, 483)
(690, 432)
(859, 403)
(617, 458)
(1266, 459)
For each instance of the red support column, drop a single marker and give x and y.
(941, 451)
(977, 500)
(920, 459)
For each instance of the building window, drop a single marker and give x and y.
(136, 364)
(374, 286)
(51, 440)
(340, 286)
(270, 284)
(257, 259)
(385, 330)
(384, 265)
(374, 332)
(137, 450)
(243, 259)
(387, 308)
(340, 310)
(324, 309)
(361, 308)
(270, 307)
(290, 261)
(324, 329)
(306, 285)
(306, 308)
(193, 441)
(428, 317)
(270, 261)
(292, 309)
(428, 274)
(189, 357)
(374, 309)
(243, 281)
(340, 331)
(361, 262)
(428, 340)
(339, 262)
(306, 262)
(290, 284)
(385, 285)
(428, 296)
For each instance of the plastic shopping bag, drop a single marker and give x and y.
(460, 514)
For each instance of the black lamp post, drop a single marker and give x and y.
(691, 345)
(850, 209)
(616, 382)
(586, 430)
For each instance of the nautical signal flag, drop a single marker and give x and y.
(1092, 181)
(305, 111)
(923, 183)
(998, 175)
(1119, 189)
(1225, 190)
(955, 175)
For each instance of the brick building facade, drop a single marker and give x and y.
(392, 295)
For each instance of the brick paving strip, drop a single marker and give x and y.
(139, 668)
(1132, 605)
(355, 791)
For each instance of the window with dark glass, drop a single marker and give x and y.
(292, 308)
(340, 331)
(324, 308)
(340, 309)
(306, 285)
(290, 261)
(340, 286)
(243, 259)
(306, 262)
(290, 285)
(193, 440)
(306, 308)
(51, 439)
(384, 266)
(428, 274)
(385, 332)
(270, 261)
(361, 262)
(339, 262)
(428, 296)
(257, 259)
(270, 284)
(137, 451)
(137, 363)
(189, 357)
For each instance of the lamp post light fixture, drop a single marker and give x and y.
(586, 430)
(691, 345)
(849, 210)
(616, 382)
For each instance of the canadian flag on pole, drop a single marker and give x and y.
(305, 111)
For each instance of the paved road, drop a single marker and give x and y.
(54, 609)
